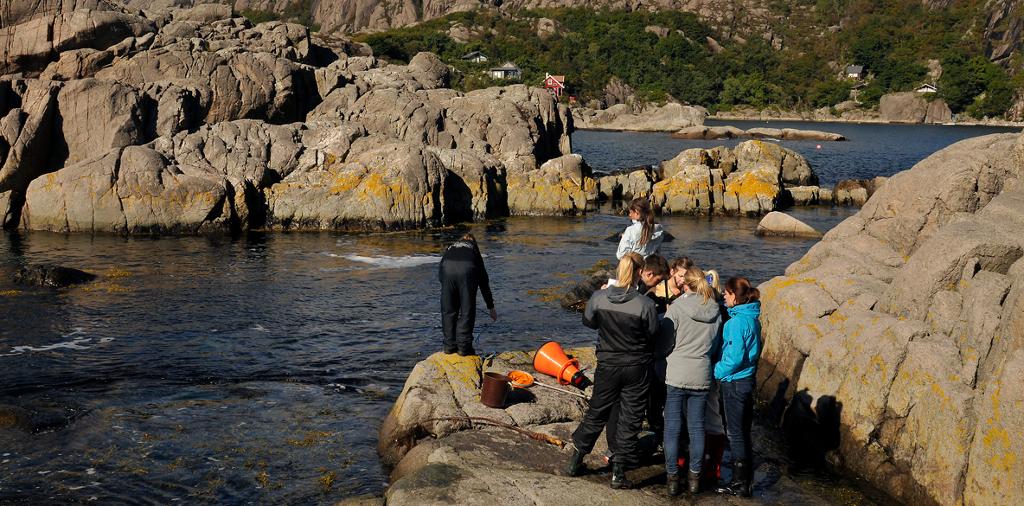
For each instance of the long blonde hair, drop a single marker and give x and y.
(628, 266)
(711, 276)
(694, 279)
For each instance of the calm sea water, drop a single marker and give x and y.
(258, 368)
(871, 150)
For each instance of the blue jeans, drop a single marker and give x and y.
(694, 402)
(738, 401)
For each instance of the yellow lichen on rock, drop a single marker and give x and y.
(752, 184)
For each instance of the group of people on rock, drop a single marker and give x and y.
(674, 345)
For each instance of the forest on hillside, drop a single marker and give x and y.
(668, 54)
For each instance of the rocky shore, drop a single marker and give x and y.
(439, 456)
(906, 323)
(905, 107)
(194, 120)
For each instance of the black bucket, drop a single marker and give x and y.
(494, 390)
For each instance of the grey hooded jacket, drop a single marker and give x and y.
(687, 339)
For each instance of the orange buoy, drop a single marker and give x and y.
(551, 360)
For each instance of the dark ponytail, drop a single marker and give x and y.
(744, 292)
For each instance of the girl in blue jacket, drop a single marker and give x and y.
(735, 370)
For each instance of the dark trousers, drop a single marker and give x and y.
(680, 404)
(655, 411)
(626, 389)
(458, 306)
(738, 403)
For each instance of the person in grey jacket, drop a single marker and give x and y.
(687, 339)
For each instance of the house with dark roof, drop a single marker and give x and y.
(475, 57)
(508, 70)
(855, 71)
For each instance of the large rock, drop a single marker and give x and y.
(784, 225)
(444, 389)
(793, 168)
(670, 117)
(385, 186)
(749, 179)
(233, 84)
(855, 192)
(28, 131)
(911, 107)
(902, 326)
(562, 185)
(52, 276)
(627, 184)
(31, 45)
(96, 116)
(129, 190)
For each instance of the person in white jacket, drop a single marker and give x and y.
(643, 236)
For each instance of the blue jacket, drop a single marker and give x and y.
(741, 343)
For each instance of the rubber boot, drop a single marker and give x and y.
(693, 482)
(741, 481)
(674, 489)
(619, 480)
(575, 463)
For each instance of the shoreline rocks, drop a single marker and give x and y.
(748, 179)
(670, 117)
(904, 324)
(438, 456)
(730, 132)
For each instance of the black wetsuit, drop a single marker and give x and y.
(462, 272)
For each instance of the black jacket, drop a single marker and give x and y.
(626, 322)
(463, 258)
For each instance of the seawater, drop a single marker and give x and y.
(259, 368)
(871, 149)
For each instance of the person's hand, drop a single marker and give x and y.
(494, 315)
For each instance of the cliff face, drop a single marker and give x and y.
(895, 347)
(727, 16)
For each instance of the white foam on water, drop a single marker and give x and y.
(390, 262)
(78, 343)
(260, 328)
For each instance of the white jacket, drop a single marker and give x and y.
(631, 240)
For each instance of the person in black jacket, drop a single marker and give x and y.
(626, 322)
(461, 273)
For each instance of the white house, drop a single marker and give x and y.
(927, 88)
(507, 71)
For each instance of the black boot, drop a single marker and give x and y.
(619, 480)
(693, 481)
(741, 481)
(575, 463)
(673, 485)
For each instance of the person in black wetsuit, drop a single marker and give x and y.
(461, 273)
